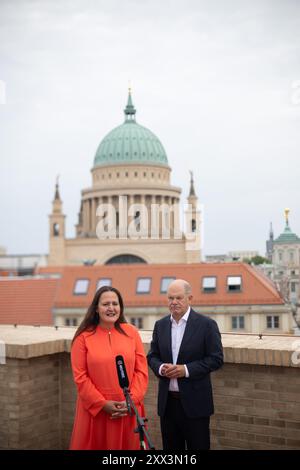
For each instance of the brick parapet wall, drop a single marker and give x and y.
(256, 393)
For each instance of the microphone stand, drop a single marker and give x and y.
(140, 422)
(126, 395)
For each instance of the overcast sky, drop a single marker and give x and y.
(217, 81)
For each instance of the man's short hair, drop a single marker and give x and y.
(187, 288)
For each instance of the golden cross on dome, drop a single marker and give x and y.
(286, 213)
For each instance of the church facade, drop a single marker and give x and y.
(284, 270)
(131, 212)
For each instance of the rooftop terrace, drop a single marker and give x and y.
(256, 393)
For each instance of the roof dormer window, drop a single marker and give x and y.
(209, 284)
(164, 284)
(234, 283)
(81, 286)
(104, 281)
(143, 285)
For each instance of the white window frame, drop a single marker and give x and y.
(209, 288)
(164, 279)
(272, 319)
(102, 281)
(234, 281)
(239, 319)
(81, 286)
(140, 288)
(293, 285)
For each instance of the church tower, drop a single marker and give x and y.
(192, 226)
(286, 247)
(130, 213)
(269, 244)
(57, 231)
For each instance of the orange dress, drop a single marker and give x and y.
(95, 374)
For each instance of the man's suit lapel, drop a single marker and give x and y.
(168, 338)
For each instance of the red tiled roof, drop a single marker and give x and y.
(256, 290)
(27, 301)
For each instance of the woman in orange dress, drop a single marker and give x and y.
(102, 420)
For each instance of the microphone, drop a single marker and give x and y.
(121, 370)
(123, 379)
(124, 384)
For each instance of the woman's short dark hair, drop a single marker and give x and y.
(91, 319)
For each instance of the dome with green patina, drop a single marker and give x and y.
(287, 237)
(130, 143)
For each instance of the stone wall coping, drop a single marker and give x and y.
(25, 342)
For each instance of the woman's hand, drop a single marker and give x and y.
(117, 409)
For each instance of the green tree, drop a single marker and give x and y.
(257, 260)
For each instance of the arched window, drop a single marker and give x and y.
(193, 225)
(125, 259)
(55, 229)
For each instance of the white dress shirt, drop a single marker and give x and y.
(177, 332)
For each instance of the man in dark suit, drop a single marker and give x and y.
(186, 346)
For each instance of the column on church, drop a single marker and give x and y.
(172, 216)
(97, 209)
(166, 216)
(154, 229)
(85, 216)
(93, 215)
(159, 201)
(148, 207)
(123, 215)
(115, 203)
(90, 215)
(110, 213)
(144, 216)
(130, 201)
(177, 231)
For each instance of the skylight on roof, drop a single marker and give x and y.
(81, 286)
(234, 283)
(104, 281)
(209, 284)
(164, 284)
(143, 285)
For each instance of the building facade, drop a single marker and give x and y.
(21, 265)
(232, 256)
(285, 268)
(131, 211)
(237, 296)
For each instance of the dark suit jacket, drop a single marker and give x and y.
(200, 350)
